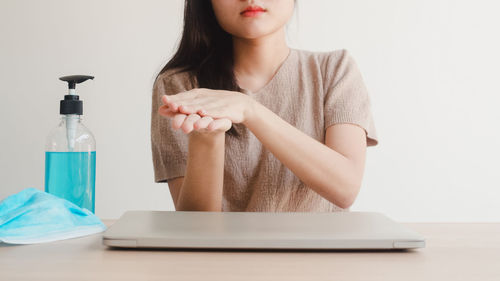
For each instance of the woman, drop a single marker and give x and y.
(242, 122)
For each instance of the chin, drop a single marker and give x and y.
(253, 32)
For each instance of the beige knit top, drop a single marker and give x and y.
(311, 91)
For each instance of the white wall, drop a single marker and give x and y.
(431, 67)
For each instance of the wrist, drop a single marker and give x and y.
(250, 111)
(206, 137)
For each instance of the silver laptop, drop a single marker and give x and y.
(257, 230)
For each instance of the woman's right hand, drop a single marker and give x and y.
(194, 122)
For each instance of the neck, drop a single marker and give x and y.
(259, 57)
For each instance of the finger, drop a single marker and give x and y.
(202, 123)
(188, 109)
(178, 120)
(187, 126)
(164, 99)
(168, 101)
(215, 112)
(219, 124)
(202, 112)
(172, 105)
(165, 111)
(208, 109)
(194, 106)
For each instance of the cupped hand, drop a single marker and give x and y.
(235, 106)
(194, 122)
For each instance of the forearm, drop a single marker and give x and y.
(202, 186)
(321, 168)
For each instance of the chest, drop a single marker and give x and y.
(299, 102)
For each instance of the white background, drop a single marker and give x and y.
(432, 68)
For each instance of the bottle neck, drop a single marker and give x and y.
(72, 117)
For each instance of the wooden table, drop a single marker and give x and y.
(454, 251)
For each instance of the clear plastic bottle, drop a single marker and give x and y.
(70, 155)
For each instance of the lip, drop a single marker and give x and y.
(252, 11)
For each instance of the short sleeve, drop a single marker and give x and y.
(346, 96)
(169, 146)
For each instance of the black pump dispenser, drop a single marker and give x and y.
(72, 103)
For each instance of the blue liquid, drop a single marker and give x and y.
(71, 175)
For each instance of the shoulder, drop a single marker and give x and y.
(326, 60)
(173, 80)
(332, 64)
(323, 57)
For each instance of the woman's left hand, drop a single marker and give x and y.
(232, 105)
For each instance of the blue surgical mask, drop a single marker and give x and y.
(34, 216)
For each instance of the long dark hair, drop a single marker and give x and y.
(205, 49)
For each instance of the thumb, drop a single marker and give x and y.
(220, 124)
(165, 111)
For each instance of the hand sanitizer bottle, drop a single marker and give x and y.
(70, 154)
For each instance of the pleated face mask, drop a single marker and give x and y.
(34, 216)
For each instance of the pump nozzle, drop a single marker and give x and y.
(72, 105)
(75, 79)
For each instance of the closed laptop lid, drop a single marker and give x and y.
(260, 230)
